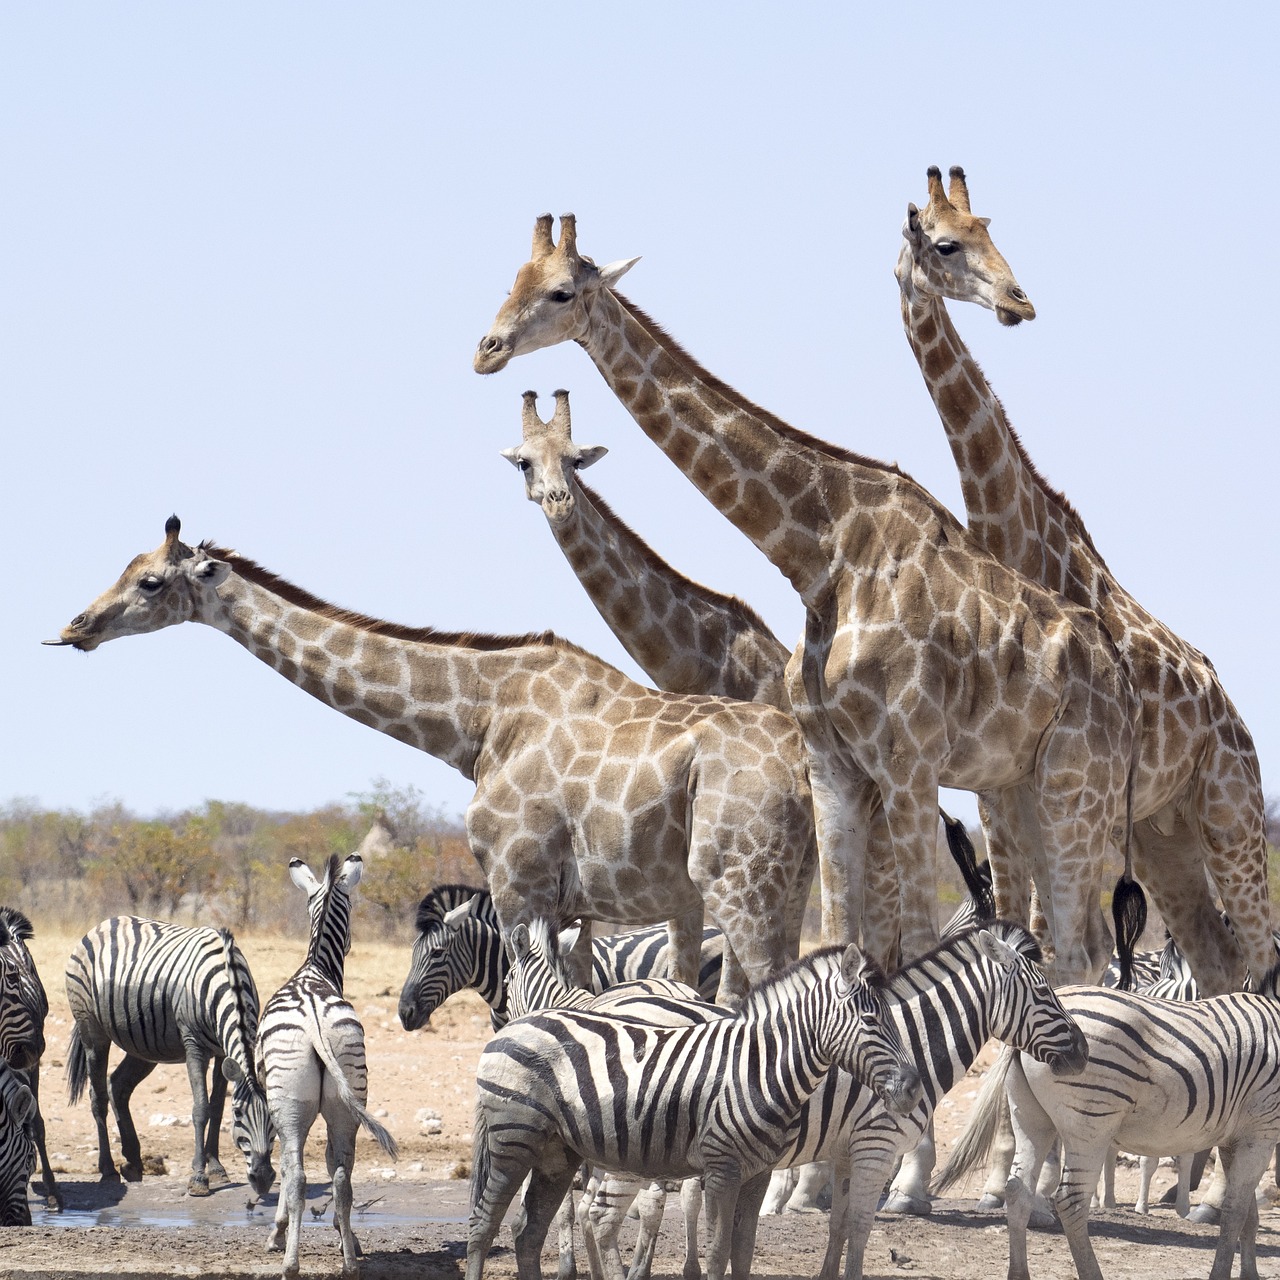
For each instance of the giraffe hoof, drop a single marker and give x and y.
(1206, 1213)
(989, 1202)
(900, 1203)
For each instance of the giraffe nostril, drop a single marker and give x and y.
(1017, 295)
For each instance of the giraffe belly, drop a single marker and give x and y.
(632, 895)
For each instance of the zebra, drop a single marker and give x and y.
(17, 1151)
(24, 1006)
(311, 1061)
(716, 1098)
(459, 945)
(1162, 1078)
(166, 993)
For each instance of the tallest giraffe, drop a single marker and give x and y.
(1198, 802)
(931, 662)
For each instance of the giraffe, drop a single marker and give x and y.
(1198, 800)
(686, 637)
(595, 797)
(928, 661)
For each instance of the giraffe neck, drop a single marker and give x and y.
(1011, 510)
(434, 693)
(686, 637)
(786, 491)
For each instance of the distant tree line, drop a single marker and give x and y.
(224, 863)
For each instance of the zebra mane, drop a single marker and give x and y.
(444, 897)
(800, 974)
(248, 1026)
(906, 983)
(13, 924)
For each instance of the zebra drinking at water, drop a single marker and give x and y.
(1162, 1078)
(165, 993)
(459, 945)
(23, 1009)
(716, 1099)
(311, 1061)
(17, 1152)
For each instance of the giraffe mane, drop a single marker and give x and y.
(304, 599)
(733, 604)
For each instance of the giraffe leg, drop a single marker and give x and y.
(842, 810)
(911, 811)
(881, 907)
(684, 946)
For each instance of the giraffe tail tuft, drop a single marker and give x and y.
(1129, 911)
(966, 860)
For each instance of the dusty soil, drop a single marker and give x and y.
(411, 1216)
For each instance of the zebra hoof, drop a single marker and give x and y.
(218, 1178)
(198, 1185)
(989, 1202)
(1206, 1213)
(129, 1172)
(1043, 1220)
(900, 1203)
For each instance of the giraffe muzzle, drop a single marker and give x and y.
(492, 354)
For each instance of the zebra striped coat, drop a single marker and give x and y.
(24, 1006)
(165, 993)
(717, 1099)
(1163, 1078)
(459, 947)
(311, 1060)
(17, 1151)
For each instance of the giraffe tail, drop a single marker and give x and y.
(1128, 902)
(973, 1147)
(966, 860)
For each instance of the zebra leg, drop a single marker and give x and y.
(289, 1207)
(1033, 1133)
(781, 1186)
(494, 1183)
(594, 1264)
(1147, 1166)
(910, 1190)
(197, 1072)
(1245, 1161)
(340, 1159)
(124, 1080)
(1001, 1162)
(866, 1172)
(1108, 1199)
(216, 1174)
(691, 1206)
(811, 1181)
(838, 1222)
(1209, 1209)
(651, 1203)
(746, 1220)
(1183, 1202)
(612, 1198)
(1080, 1172)
(547, 1190)
(568, 1266)
(720, 1189)
(96, 1048)
(50, 1190)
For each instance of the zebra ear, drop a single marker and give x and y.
(518, 943)
(301, 875)
(997, 950)
(352, 870)
(232, 1070)
(853, 965)
(454, 917)
(568, 938)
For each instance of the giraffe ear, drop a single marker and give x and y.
(512, 455)
(591, 454)
(211, 573)
(911, 227)
(986, 222)
(614, 271)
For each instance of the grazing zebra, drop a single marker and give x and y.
(716, 1099)
(311, 1061)
(1162, 1078)
(165, 993)
(17, 1152)
(23, 1009)
(459, 947)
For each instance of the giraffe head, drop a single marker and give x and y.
(550, 301)
(159, 589)
(548, 459)
(949, 253)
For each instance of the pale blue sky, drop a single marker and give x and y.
(246, 251)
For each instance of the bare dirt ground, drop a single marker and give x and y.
(411, 1216)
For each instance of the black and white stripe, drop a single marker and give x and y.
(165, 993)
(1163, 1078)
(718, 1099)
(17, 1151)
(311, 1060)
(458, 948)
(23, 1010)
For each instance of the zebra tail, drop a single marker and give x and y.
(77, 1067)
(974, 1145)
(480, 1155)
(349, 1099)
(966, 860)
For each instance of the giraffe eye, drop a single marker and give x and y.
(522, 464)
(947, 247)
(561, 295)
(150, 582)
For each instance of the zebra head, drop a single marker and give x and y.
(452, 951)
(17, 1150)
(861, 1037)
(1026, 1012)
(538, 978)
(251, 1126)
(22, 1001)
